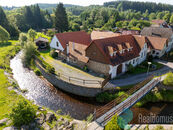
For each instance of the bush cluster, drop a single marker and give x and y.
(22, 113)
(106, 97)
(168, 81)
(37, 72)
(161, 96)
(53, 53)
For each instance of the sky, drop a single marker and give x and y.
(75, 2)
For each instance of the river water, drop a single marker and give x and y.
(48, 96)
(77, 107)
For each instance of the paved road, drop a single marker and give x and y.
(140, 77)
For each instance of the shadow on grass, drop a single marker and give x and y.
(45, 51)
(2, 44)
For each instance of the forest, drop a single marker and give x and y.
(110, 16)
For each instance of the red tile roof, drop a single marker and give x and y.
(77, 51)
(157, 43)
(141, 40)
(104, 46)
(80, 37)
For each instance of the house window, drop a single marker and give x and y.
(57, 44)
(94, 53)
(114, 53)
(133, 61)
(142, 55)
(157, 53)
(153, 51)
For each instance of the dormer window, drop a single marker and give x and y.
(73, 46)
(111, 51)
(130, 49)
(114, 53)
(128, 46)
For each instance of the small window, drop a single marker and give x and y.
(57, 44)
(133, 61)
(153, 51)
(94, 53)
(114, 53)
(157, 53)
(73, 46)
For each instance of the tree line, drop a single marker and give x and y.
(139, 6)
(74, 18)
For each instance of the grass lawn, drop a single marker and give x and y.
(7, 97)
(8, 50)
(144, 68)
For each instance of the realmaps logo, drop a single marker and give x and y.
(124, 119)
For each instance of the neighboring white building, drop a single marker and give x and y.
(60, 40)
(161, 33)
(55, 44)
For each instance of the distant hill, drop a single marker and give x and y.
(45, 6)
(139, 6)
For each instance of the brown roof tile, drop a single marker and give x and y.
(103, 34)
(77, 51)
(159, 32)
(157, 43)
(114, 42)
(80, 37)
(141, 40)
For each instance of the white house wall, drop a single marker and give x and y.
(143, 54)
(54, 42)
(113, 71)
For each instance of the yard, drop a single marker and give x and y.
(66, 69)
(143, 68)
(168, 57)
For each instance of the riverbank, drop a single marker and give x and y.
(10, 94)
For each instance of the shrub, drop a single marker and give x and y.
(159, 127)
(150, 58)
(23, 113)
(4, 35)
(22, 39)
(29, 51)
(104, 97)
(53, 54)
(168, 81)
(130, 68)
(113, 125)
(50, 69)
(37, 72)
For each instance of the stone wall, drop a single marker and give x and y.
(98, 67)
(71, 88)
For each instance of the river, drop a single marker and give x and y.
(77, 107)
(48, 96)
